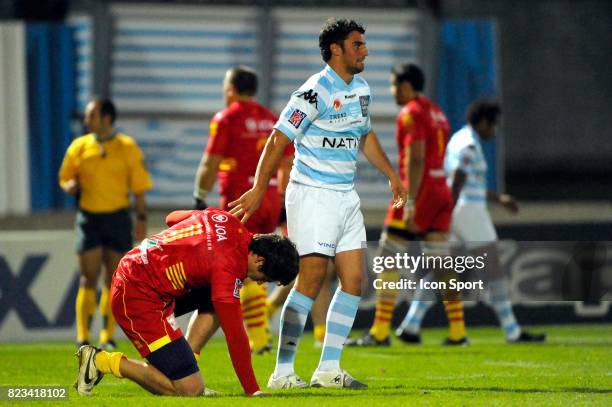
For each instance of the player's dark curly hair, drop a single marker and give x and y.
(410, 73)
(281, 257)
(244, 80)
(487, 109)
(335, 32)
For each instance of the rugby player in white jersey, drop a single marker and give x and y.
(328, 119)
(471, 225)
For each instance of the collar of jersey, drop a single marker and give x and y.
(337, 80)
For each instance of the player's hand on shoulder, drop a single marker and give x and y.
(509, 202)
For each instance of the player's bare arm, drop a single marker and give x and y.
(415, 166)
(272, 154)
(206, 175)
(140, 232)
(376, 156)
(458, 181)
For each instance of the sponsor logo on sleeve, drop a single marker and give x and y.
(364, 101)
(296, 118)
(237, 286)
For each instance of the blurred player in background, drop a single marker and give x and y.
(422, 133)
(101, 168)
(237, 137)
(472, 226)
(328, 119)
(209, 250)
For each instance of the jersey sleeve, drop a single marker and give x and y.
(140, 180)
(461, 159)
(303, 108)
(176, 217)
(218, 136)
(230, 319)
(68, 169)
(225, 285)
(411, 125)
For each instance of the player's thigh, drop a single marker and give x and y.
(177, 362)
(313, 269)
(473, 226)
(144, 318)
(349, 265)
(352, 228)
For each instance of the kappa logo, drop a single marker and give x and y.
(310, 96)
(219, 217)
(237, 286)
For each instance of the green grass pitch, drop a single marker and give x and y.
(573, 367)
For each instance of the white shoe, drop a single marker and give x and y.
(335, 379)
(286, 382)
(210, 392)
(89, 375)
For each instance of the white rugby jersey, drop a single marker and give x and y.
(326, 118)
(464, 152)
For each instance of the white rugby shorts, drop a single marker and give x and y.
(324, 221)
(472, 226)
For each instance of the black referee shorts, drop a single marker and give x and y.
(111, 230)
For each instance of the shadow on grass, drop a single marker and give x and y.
(585, 390)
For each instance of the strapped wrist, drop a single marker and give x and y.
(200, 193)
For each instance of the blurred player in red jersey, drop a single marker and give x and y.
(209, 250)
(422, 134)
(237, 137)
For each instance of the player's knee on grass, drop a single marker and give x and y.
(176, 361)
(189, 386)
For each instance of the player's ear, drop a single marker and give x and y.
(335, 49)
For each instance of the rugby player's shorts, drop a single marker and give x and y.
(266, 218)
(324, 221)
(432, 209)
(146, 320)
(472, 225)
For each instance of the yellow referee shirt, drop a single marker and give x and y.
(105, 171)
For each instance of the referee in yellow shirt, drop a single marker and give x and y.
(101, 168)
